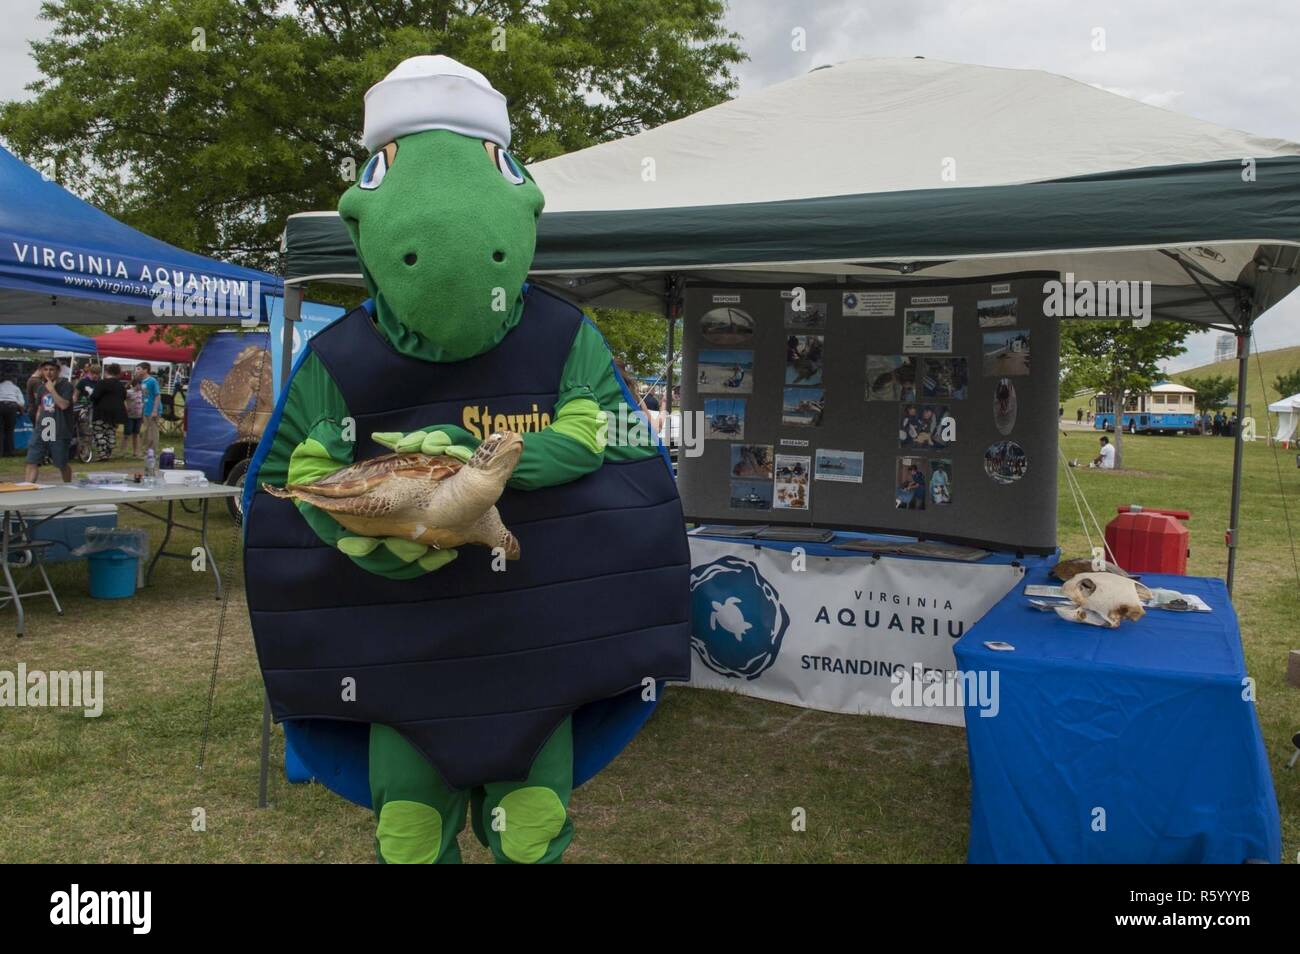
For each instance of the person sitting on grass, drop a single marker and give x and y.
(51, 424)
(1105, 459)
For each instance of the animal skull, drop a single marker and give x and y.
(1104, 599)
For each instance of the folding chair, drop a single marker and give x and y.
(18, 542)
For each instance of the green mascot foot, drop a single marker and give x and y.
(418, 816)
(527, 822)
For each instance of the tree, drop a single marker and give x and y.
(207, 122)
(1212, 391)
(1116, 358)
(1287, 384)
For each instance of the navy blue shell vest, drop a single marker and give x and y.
(474, 668)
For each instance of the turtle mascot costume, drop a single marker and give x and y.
(426, 682)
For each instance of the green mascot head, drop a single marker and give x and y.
(444, 219)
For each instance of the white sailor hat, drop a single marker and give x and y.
(434, 92)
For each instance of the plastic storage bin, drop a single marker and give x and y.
(113, 557)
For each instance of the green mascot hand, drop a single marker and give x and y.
(439, 439)
(321, 453)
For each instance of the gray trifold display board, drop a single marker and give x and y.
(927, 409)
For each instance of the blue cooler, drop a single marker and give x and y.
(67, 531)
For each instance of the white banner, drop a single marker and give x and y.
(835, 633)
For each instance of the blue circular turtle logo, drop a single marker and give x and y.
(737, 620)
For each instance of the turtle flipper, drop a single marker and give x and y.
(358, 505)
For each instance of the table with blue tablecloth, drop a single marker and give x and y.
(1137, 744)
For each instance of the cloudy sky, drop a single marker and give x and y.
(1228, 63)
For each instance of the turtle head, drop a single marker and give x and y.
(498, 454)
(445, 226)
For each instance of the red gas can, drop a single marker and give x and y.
(1149, 540)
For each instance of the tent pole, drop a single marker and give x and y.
(293, 295)
(670, 312)
(1234, 517)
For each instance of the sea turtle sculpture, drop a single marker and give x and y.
(438, 501)
(248, 380)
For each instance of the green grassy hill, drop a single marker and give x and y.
(1265, 364)
(1270, 363)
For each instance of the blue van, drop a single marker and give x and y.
(231, 394)
(230, 399)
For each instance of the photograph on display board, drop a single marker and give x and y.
(838, 465)
(910, 484)
(891, 377)
(751, 495)
(945, 378)
(996, 312)
(867, 304)
(812, 318)
(927, 329)
(751, 461)
(803, 407)
(1006, 353)
(728, 326)
(1005, 462)
(1004, 406)
(927, 425)
(804, 356)
(724, 419)
(791, 489)
(725, 372)
(940, 482)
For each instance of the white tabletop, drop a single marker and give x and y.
(71, 495)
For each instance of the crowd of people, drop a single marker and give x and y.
(56, 399)
(1219, 424)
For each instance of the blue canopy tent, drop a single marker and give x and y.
(63, 260)
(45, 338)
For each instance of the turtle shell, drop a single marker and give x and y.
(362, 477)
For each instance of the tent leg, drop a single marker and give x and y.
(292, 313)
(1243, 351)
(264, 769)
(668, 357)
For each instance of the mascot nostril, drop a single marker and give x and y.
(487, 699)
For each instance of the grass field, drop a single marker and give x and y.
(713, 777)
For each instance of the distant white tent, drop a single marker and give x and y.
(1288, 418)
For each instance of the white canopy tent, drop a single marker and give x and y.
(1288, 418)
(893, 170)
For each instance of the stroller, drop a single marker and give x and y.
(83, 435)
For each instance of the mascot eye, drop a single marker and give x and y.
(510, 170)
(375, 170)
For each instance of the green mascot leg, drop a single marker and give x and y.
(528, 822)
(418, 816)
